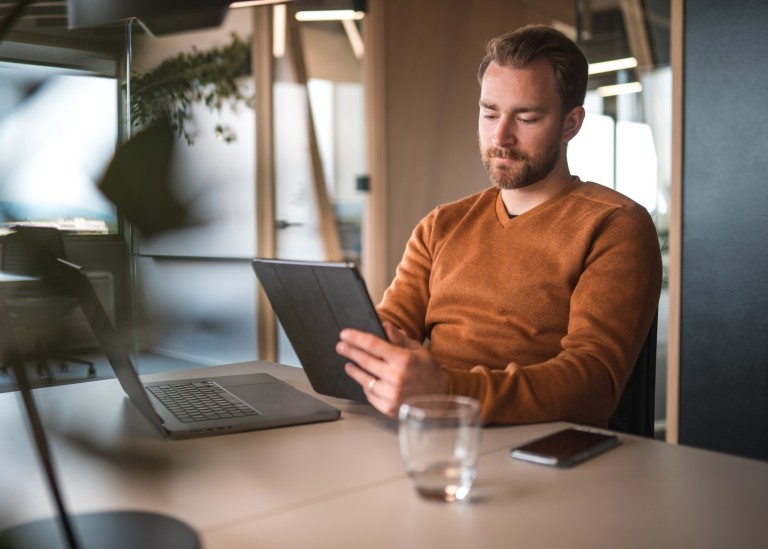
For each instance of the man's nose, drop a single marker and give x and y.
(504, 136)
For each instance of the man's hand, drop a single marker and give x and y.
(390, 371)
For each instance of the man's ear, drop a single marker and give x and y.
(572, 123)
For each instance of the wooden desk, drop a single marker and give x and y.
(341, 484)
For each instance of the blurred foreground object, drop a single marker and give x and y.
(43, 306)
(159, 17)
(138, 182)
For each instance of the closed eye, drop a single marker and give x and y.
(529, 120)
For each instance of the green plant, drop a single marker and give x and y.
(213, 77)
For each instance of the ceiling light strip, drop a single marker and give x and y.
(329, 15)
(251, 3)
(620, 89)
(613, 65)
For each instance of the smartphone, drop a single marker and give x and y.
(566, 448)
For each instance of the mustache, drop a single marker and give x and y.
(499, 152)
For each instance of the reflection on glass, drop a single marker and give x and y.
(625, 142)
(58, 131)
(337, 109)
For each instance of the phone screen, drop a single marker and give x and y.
(566, 447)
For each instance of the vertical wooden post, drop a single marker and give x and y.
(675, 224)
(263, 75)
(375, 236)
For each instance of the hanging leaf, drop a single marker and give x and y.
(214, 77)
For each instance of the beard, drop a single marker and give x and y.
(526, 171)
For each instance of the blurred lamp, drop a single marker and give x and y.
(157, 16)
(169, 16)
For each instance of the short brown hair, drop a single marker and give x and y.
(520, 47)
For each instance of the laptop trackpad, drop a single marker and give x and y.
(269, 395)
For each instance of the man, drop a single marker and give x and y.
(535, 295)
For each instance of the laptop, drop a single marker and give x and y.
(314, 301)
(236, 402)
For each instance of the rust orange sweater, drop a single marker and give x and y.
(540, 317)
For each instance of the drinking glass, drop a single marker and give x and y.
(440, 442)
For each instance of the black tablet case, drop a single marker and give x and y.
(314, 301)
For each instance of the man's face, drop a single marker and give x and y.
(521, 127)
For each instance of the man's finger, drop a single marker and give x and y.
(371, 344)
(360, 357)
(378, 393)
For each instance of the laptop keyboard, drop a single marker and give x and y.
(200, 401)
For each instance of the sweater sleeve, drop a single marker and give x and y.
(611, 309)
(405, 302)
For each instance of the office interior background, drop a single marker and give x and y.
(348, 132)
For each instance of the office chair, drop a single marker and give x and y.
(635, 412)
(33, 251)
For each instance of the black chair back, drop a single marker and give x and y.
(33, 251)
(42, 307)
(636, 409)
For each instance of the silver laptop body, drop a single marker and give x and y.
(272, 402)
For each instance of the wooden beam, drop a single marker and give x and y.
(637, 34)
(263, 75)
(375, 237)
(675, 223)
(329, 232)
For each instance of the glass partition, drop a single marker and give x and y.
(195, 284)
(58, 131)
(625, 142)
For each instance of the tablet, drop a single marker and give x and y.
(314, 301)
